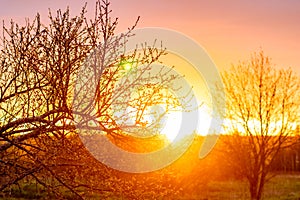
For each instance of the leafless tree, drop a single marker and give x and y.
(40, 93)
(262, 114)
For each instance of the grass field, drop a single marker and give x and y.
(283, 186)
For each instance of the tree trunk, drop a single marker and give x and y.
(253, 190)
(255, 195)
(256, 188)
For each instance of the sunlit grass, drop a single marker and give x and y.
(284, 186)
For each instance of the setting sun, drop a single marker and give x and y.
(174, 119)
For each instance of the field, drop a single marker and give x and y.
(188, 178)
(283, 186)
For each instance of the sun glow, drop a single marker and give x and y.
(201, 93)
(204, 120)
(171, 124)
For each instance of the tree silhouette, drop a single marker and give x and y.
(263, 113)
(40, 94)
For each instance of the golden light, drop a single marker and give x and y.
(200, 90)
(172, 126)
(204, 120)
(172, 123)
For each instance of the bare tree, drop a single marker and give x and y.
(39, 65)
(262, 114)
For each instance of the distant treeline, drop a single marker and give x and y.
(288, 160)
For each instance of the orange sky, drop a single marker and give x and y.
(229, 30)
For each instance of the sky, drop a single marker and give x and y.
(230, 31)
